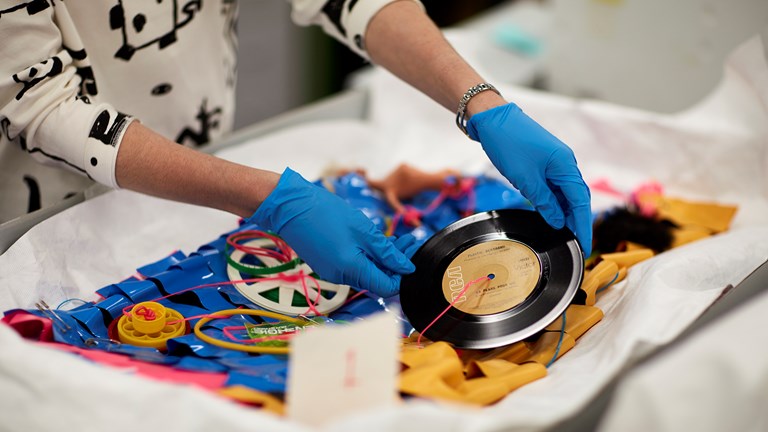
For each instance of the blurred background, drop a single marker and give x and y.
(655, 55)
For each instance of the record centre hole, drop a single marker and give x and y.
(491, 276)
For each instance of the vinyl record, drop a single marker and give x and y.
(534, 272)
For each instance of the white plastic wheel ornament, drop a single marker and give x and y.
(255, 291)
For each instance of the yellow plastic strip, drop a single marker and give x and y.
(247, 395)
(544, 348)
(716, 217)
(503, 377)
(629, 258)
(578, 320)
(597, 277)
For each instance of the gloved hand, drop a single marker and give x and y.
(539, 165)
(339, 242)
(408, 244)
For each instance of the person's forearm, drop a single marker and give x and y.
(403, 39)
(151, 164)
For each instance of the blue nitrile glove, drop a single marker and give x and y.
(337, 241)
(408, 244)
(539, 165)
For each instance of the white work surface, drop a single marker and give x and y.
(716, 151)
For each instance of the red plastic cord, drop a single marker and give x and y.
(283, 252)
(456, 299)
(412, 215)
(146, 312)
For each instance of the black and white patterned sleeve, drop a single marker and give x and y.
(44, 89)
(345, 20)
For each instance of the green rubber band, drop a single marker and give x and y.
(259, 271)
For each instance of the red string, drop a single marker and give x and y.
(456, 299)
(437, 201)
(228, 332)
(283, 277)
(284, 253)
(411, 215)
(468, 185)
(146, 312)
(312, 307)
(233, 240)
(351, 299)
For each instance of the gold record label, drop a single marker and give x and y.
(515, 269)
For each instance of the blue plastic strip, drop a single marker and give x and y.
(191, 345)
(161, 265)
(361, 307)
(193, 363)
(252, 361)
(212, 299)
(114, 305)
(92, 319)
(197, 263)
(270, 378)
(233, 296)
(139, 291)
(108, 291)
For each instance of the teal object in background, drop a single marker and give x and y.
(513, 38)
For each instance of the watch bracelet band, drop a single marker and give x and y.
(461, 113)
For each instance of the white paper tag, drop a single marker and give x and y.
(336, 370)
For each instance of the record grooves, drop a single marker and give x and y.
(535, 272)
